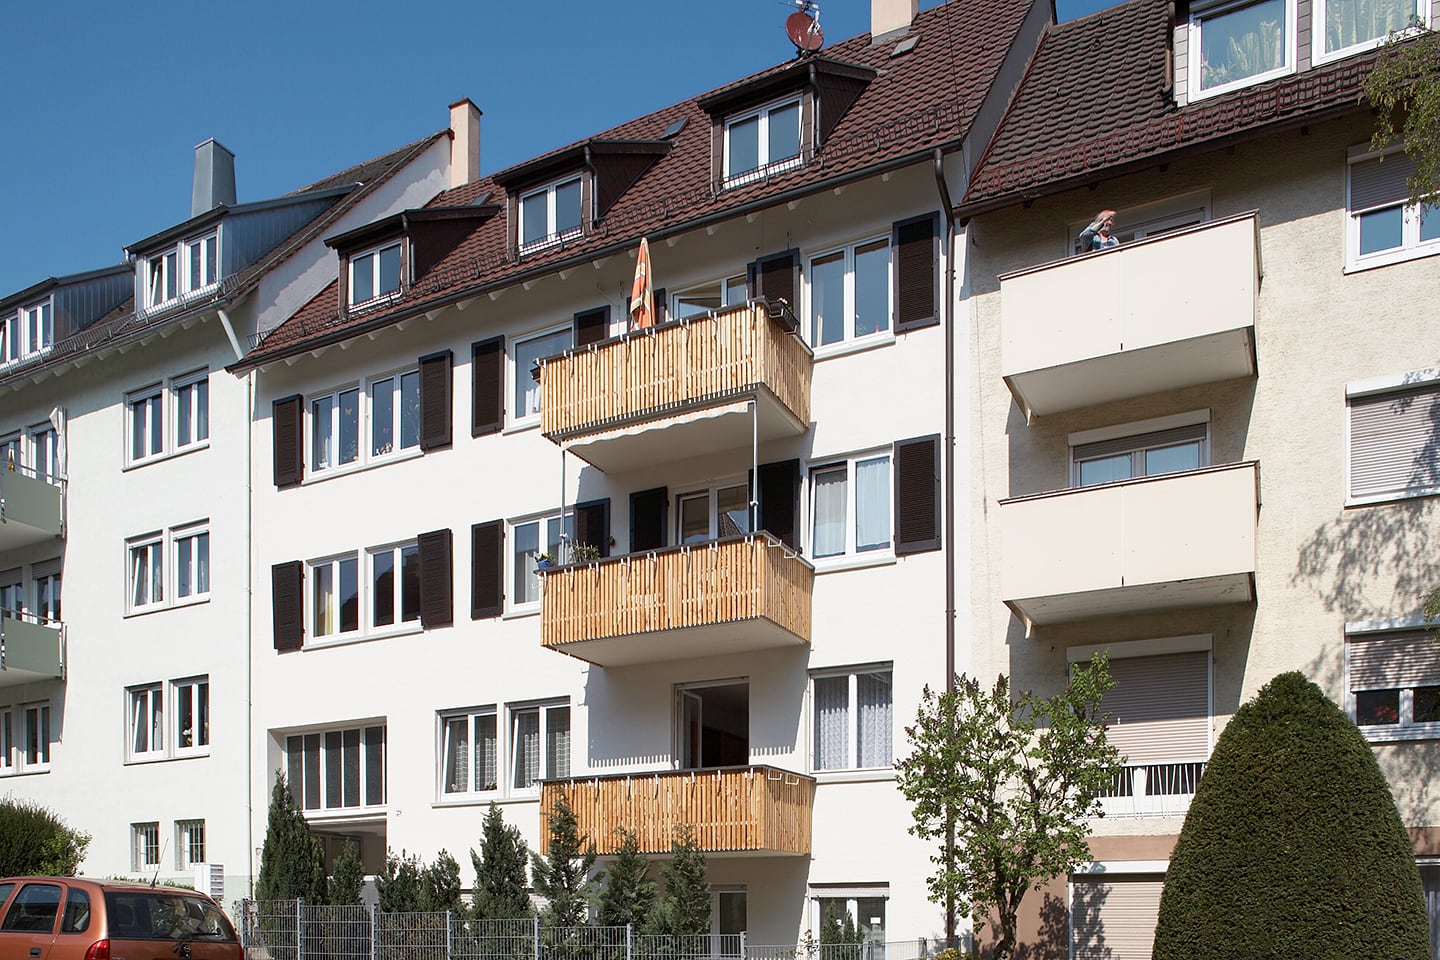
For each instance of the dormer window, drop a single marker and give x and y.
(551, 214)
(375, 273)
(28, 331)
(1239, 43)
(188, 267)
(1350, 26)
(762, 141)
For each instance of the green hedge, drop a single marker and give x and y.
(35, 841)
(1293, 846)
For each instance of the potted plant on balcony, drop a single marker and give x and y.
(584, 553)
(543, 561)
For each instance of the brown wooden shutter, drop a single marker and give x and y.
(592, 524)
(436, 399)
(287, 420)
(1160, 707)
(592, 326)
(287, 604)
(437, 578)
(487, 367)
(648, 509)
(915, 259)
(487, 569)
(776, 277)
(662, 309)
(778, 493)
(1393, 449)
(917, 495)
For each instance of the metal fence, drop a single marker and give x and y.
(295, 930)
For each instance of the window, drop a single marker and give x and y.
(31, 752)
(721, 511)
(392, 404)
(28, 331)
(338, 770)
(1146, 454)
(335, 596)
(708, 297)
(152, 734)
(853, 720)
(539, 745)
(394, 585)
(153, 583)
(1430, 883)
(32, 912)
(375, 274)
(1394, 443)
(1150, 219)
(145, 412)
(1395, 684)
(1351, 25)
(528, 353)
(189, 843)
(46, 580)
(469, 754)
(144, 846)
(850, 293)
(183, 402)
(189, 267)
(11, 452)
(45, 452)
(1235, 43)
(146, 722)
(1384, 226)
(192, 714)
(525, 551)
(762, 142)
(192, 411)
(9, 757)
(335, 429)
(395, 414)
(865, 905)
(551, 214)
(858, 488)
(1113, 913)
(12, 591)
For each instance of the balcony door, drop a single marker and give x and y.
(721, 511)
(714, 725)
(727, 921)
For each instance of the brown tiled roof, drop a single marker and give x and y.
(1095, 103)
(917, 101)
(124, 322)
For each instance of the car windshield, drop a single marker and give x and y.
(164, 915)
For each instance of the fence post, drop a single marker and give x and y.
(629, 941)
(299, 928)
(449, 944)
(743, 954)
(373, 950)
(924, 948)
(537, 938)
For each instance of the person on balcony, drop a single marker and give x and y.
(1097, 235)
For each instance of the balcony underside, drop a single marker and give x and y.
(32, 652)
(1133, 599)
(727, 423)
(683, 643)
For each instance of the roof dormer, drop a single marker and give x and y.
(33, 320)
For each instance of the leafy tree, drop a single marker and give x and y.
(628, 896)
(1005, 784)
(1404, 89)
(292, 861)
(398, 883)
(500, 883)
(562, 876)
(1292, 846)
(684, 910)
(34, 841)
(349, 876)
(440, 885)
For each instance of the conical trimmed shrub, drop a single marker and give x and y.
(1292, 846)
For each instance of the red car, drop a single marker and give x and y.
(72, 918)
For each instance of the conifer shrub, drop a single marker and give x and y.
(1293, 846)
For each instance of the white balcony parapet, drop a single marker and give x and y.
(32, 508)
(1153, 790)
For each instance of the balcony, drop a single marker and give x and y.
(1158, 314)
(1136, 546)
(682, 388)
(1153, 790)
(31, 509)
(750, 810)
(722, 596)
(30, 649)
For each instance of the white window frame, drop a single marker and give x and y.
(173, 271)
(762, 114)
(144, 837)
(369, 591)
(511, 754)
(10, 754)
(334, 604)
(46, 574)
(546, 522)
(552, 235)
(848, 337)
(191, 393)
(163, 548)
(153, 547)
(363, 783)
(196, 590)
(723, 287)
(43, 452)
(195, 691)
(12, 338)
(1319, 53)
(1139, 430)
(29, 331)
(469, 791)
(150, 399)
(1405, 728)
(163, 399)
(207, 248)
(1196, 29)
(12, 591)
(398, 448)
(12, 451)
(1373, 387)
(851, 554)
(30, 714)
(365, 391)
(519, 420)
(711, 493)
(374, 253)
(1411, 246)
(852, 762)
(365, 628)
(141, 703)
(189, 840)
(851, 895)
(1149, 219)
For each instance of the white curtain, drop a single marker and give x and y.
(526, 748)
(832, 701)
(873, 720)
(457, 755)
(872, 504)
(57, 418)
(485, 772)
(829, 513)
(557, 746)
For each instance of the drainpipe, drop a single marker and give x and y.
(948, 321)
(249, 624)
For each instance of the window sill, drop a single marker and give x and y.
(854, 776)
(522, 425)
(410, 628)
(526, 249)
(838, 564)
(1196, 94)
(374, 303)
(516, 613)
(166, 455)
(485, 799)
(320, 476)
(847, 347)
(188, 754)
(174, 605)
(1391, 257)
(1380, 498)
(760, 174)
(27, 772)
(1400, 734)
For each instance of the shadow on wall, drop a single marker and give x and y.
(1394, 543)
(1050, 939)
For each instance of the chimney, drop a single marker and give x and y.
(214, 182)
(464, 142)
(890, 19)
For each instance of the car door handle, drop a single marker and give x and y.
(34, 951)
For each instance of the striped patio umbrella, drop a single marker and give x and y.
(642, 291)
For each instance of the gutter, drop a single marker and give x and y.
(949, 459)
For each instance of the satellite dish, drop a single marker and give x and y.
(804, 30)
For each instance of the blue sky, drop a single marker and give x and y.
(103, 103)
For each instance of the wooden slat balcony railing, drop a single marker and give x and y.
(723, 596)
(602, 400)
(760, 810)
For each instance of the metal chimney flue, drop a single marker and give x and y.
(214, 182)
